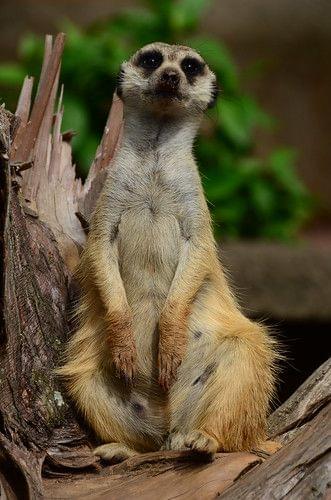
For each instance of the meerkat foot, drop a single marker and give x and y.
(196, 440)
(114, 452)
(201, 442)
(175, 441)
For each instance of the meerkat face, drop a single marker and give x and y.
(167, 79)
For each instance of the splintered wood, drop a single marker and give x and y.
(42, 206)
(44, 158)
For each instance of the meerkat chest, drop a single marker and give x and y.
(157, 202)
(154, 189)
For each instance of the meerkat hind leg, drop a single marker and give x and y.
(114, 452)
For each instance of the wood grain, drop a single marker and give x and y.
(158, 475)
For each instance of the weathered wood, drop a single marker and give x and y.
(35, 291)
(51, 188)
(157, 475)
(26, 136)
(300, 470)
(301, 407)
(105, 152)
(24, 101)
(19, 471)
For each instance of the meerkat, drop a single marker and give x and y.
(163, 357)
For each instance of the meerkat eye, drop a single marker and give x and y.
(192, 67)
(150, 60)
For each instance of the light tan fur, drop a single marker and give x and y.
(163, 356)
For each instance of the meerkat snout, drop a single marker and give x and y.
(167, 78)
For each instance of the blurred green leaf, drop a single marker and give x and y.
(263, 197)
(187, 14)
(30, 46)
(11, 74)
(74, 116)
(87, 151)
(234, 123)
(220, 61)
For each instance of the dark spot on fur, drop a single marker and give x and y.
(184, 230)
(197, 334)
(205, 375)
(113, 233)
(138, 408)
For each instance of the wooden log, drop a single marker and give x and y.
(35, 289)
(161, 475)
(312, 396)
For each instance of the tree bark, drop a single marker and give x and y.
(45, 450)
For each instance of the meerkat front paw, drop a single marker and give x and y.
(124, 359)
(168, 366)
(114, 452)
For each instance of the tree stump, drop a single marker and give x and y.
(45, 451)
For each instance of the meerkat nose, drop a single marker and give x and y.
(170, 78)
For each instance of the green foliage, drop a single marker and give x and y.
(249, 197)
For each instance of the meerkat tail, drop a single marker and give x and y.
(241, 390)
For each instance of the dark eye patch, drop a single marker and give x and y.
(192, 67)
(150, 59)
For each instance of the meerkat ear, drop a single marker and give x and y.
(213, 95)
(119, 81)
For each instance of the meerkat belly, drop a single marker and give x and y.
(148, 246)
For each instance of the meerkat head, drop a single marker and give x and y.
(167, 79)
